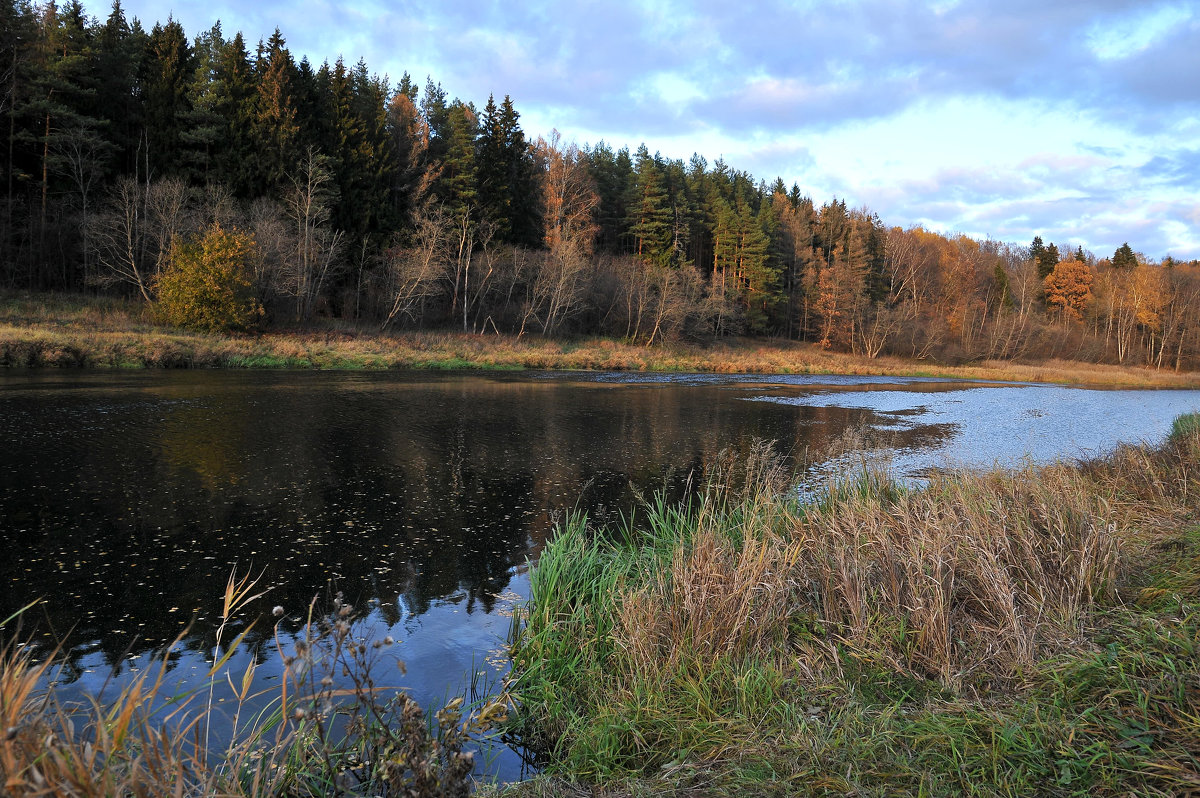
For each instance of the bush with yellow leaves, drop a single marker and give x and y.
(207, 284)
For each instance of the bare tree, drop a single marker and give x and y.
(167, 216)
(275, 246)
(413, 272)
(557, 287)
(318, 247)
(118, 236)
(570, 198)
(569, 194)
(80, 153)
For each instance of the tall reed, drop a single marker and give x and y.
(313, 735)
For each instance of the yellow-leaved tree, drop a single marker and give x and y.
(207, 282)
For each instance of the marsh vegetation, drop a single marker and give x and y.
(996, 633)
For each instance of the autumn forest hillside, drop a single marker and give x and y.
(234, 187)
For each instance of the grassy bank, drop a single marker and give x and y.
(41, 330)
(1011, 633)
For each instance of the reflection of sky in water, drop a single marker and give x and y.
(132, 495)
(1008, 424)
(632, 378)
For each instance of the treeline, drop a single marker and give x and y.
(350, 197)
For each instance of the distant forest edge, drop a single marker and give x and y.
(240, 189)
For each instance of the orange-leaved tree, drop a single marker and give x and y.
(207, 282)
(1069, 288)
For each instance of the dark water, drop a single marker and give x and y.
(126, 499)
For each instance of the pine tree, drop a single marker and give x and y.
(493, 172)
(1037, 250)
(612, 173)
(506, 180)
(71, 149)
(649, 211)
(202, 132)
(436, 112)
(1047, 261)
(120, 51)
(410, 148)
(524, 177)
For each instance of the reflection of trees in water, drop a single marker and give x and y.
(408, 491)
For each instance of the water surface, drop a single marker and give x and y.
(126, 498)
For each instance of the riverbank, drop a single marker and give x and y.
(1034, 632)
(52, 330)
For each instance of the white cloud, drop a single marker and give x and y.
(1077, 119)
(1117, 38)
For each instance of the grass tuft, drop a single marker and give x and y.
(987, 635)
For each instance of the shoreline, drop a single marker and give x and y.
(57, 331)
(1014, 632)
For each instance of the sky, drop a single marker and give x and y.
(1078, 121)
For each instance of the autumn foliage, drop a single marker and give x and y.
(1069, 288)
(207, 284)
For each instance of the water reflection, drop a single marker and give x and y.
(127, 498)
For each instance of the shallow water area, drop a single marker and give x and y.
(127, 498)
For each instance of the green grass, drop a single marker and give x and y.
(1187, 424)
(836, 669)
(268, 362)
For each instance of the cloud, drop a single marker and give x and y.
(963, 114)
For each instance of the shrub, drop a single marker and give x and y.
(207, 286)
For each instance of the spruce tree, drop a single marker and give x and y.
(276, 128)
(167, 74)
(233, 94)
(1124, 258)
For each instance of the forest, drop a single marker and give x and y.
(235, 187)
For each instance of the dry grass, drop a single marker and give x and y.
(973, 636)
(52, 330)
(308, 737)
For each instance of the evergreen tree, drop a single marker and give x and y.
(507, 182)
(68, 143)
(1124, 258)
(167, 74)
(1037, 250)
(523, 179)
(436, 112)
(457, 185)
(612, 173)
(233, 97)
(650, 216)
(202, 132)
(276, 130)
(1048, 261)
(18, 40)
(410, 149)
(492, 172)
(120, 50)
